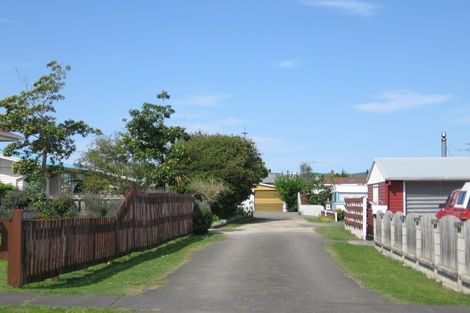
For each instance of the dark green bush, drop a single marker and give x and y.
(64, 206)
(15, 199)
(340, 214)
(4, 189)
(202, 217)
(95, 206)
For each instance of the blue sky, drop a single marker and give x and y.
(332, 82)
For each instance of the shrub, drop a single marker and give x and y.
(288, 186)
(64, 206)
(15, 199)
(95, 206)
(4, 189)
(340, 214)
(206, 189)
(202, 217)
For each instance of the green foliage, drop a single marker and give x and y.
(138, 157)
(15, 199)
(202, 217)
(148, 139)
(288, 186)
(111, 165)
(95, 206)
(340, 214)
(61, 207)
(233, 160)
(206, 189)
(4, 188)
(32, 113)
(316, 191)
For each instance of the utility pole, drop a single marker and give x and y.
(244, 133)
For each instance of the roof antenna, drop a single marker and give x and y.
(443, 144)
(244, 133)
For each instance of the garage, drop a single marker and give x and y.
(425, 197)
(267, 199)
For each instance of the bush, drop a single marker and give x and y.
(4, 189)
(64, 206)
(340, 214)
(288, 186)
(202, 217)
(15, 199)
(95, 206)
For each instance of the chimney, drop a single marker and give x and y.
(443, 144)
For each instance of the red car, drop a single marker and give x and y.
(457, 204)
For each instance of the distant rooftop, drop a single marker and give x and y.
(352, 180)
(270, 178)
(424, 168)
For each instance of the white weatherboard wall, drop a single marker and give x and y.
(309, 209)
(6, 173)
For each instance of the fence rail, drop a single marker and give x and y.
(40, 249)
(355, 216)
(438, 248)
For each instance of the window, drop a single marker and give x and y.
(375, 194)
(461, 198)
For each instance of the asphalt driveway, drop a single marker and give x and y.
(276, 265)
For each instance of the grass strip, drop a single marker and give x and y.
(335, 232)
(48, 309)
(128, 275)
(240, 222)
(383, 274)
(320, 219)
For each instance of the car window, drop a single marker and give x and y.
(461, 198)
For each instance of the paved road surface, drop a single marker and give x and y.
(277, 265)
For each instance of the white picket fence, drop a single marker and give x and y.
(438, 248)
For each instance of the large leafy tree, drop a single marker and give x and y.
(32, 113)
(232, 160)
(138, 157)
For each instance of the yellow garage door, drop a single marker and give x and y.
(267, 201)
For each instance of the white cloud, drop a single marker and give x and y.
(288, 64)
(352, 7)
(7, 21)
(399, 100)
(208, 100)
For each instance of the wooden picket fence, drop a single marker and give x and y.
(40, 249)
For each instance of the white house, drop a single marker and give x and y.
(346, 187)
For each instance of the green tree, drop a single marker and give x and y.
(111, 167)
(232, 160)
(288, 186)
(32, 113)
(149, 140)
(316, 191)
(163, 95)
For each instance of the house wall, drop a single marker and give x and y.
(395, 196)
(7, 176)
(383, 193)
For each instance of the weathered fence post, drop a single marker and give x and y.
(15, 249)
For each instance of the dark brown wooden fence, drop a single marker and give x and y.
(40, 249)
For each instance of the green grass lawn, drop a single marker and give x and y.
(48, 309)
(128, 275)
(383, 274)
(335, 232)
(320, 219)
